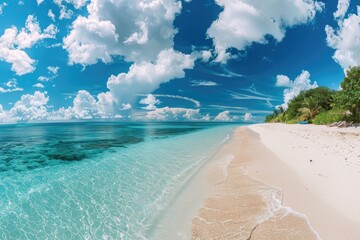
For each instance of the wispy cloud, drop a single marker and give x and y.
(253, 90)
(237, 109)
(197, 103)
(204, 83)
(222, 72)
(241, 96)
(228, 107)
(252, 94)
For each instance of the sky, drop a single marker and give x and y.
(169, 60)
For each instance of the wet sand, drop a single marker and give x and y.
(241, 207)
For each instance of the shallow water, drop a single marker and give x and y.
(96, 180)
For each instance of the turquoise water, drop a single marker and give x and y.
(96, 180)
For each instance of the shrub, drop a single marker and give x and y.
(325, 118)
(292, 121)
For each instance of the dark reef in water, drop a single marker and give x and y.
(32, 146)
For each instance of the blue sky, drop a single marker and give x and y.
(158, 60)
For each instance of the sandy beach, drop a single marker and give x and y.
(275, 181)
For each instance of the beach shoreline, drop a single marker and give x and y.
(263, 177)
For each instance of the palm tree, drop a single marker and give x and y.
(310, 109)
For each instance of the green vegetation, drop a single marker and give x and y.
(322, 105)
(328, 117)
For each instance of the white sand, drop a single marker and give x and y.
(318, 169)
(240, 207)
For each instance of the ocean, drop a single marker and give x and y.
(97, 180)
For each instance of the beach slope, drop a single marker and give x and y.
(274, 181)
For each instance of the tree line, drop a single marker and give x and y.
(322, 105)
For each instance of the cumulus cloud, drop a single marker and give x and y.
(65, 12)
(283, 81)
(345, 40)
(143, 34)
(123, 89)
(225, 117)
(13, 41)
(30, 108)
(52, 74)
(176, 114)
(342, 7)
(86, 106)
(206, 55)
(147, 76)
(248, 117)
(150, 101)
(51, 15)
(243, 22)
(139, 33)
(76, 3)
(301, 83)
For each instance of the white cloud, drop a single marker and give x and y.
(139, 33)
(51, 15)
(150, 101)
(124, 88)
(243, 22)
(2, 5)
(31, 33)
(147, 76)
(43, 79)
(283, 81)
(225, 117)
(90, 40)
(76, 3)
(196, 102)
(241, 96)
(11, 86)
(143, 34)
(30, 108)
(13, 41)
(38, 85)
(39, 1)
(248, 117)
(53, 70)
(301, 83)
(53, 73)
(3, 115)
(176, 114)
(204, 83)
(84, 105)
(65, 13)
(345, 40)
(206, 55)
(342, 7)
